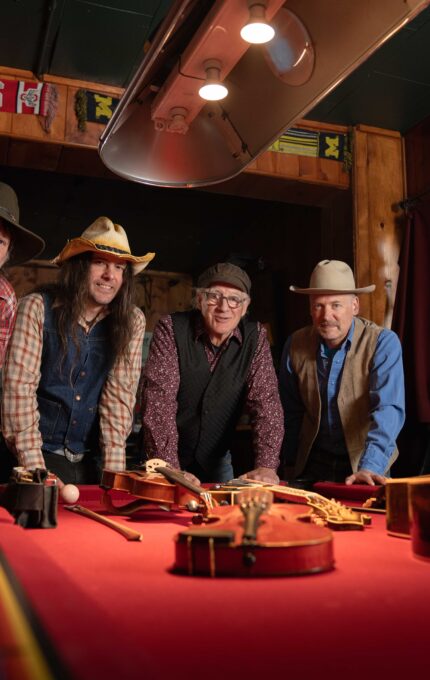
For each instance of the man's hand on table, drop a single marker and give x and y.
(262, 474)
(365, 477)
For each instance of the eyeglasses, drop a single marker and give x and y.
(214, 297)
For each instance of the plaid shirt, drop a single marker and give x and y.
(8, 307)
(21, 376)
(161, 380)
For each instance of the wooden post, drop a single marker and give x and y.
(378, 185)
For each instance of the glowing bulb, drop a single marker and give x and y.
(213, 90)
(257, 30)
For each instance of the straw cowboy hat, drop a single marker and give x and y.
(103, 236)
(25, 244)
(331, 277)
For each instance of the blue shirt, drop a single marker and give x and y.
(387, 401)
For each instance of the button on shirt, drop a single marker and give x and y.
(329, 368)
(386, 392)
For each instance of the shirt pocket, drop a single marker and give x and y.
(50, 417)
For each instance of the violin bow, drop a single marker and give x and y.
(129, 534)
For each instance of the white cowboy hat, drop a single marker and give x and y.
(331, 277)
(103, 236)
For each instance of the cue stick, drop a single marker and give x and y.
(129, 534)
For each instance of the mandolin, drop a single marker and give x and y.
(255, 538)
(332, 513)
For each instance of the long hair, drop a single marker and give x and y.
(70, 298)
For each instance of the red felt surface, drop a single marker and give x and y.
(114, 610)
(352, 492)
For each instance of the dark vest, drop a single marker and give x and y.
(209, 404)
(70, 387)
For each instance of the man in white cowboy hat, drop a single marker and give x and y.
(17, 245)
(203, 368)
(342, 386)
(74, 360)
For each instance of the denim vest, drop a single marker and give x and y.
(70, 386)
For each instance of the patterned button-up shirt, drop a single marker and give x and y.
(21, 375)
(161, 380)
(8, 307)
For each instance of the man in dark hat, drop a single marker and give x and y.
(341, 385)
(204, 368)
(17, 245)
(73, 365)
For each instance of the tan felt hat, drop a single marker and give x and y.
(331, 277)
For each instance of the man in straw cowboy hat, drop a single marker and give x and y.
(341, 386)
(203, 368)
(17, 245)
(74, 360)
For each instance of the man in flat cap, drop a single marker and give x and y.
(74, 361)
(203, 368)
(17, 245)
(341, 385)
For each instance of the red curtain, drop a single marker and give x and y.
(411, 321)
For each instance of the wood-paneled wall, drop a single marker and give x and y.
(378, 186)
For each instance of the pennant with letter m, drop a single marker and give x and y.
(94, 107)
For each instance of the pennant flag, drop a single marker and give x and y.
(314, 143)
(93, 107)
(19, 96)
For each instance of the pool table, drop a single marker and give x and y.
(113, 609)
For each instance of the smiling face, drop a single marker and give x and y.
(4, 243)
(219, 318)
(332, 316)
(105, 278)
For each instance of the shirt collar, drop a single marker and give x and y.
(87, 325)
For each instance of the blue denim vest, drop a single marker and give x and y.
(70, 386)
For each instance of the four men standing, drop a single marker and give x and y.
(74, 361)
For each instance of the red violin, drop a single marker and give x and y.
(255, 538)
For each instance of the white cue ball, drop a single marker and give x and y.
(70, 493)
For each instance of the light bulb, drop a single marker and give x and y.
(213, 90)
(257, 30)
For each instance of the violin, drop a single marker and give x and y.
(255, 538)
(332, 513)
(156, 483)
